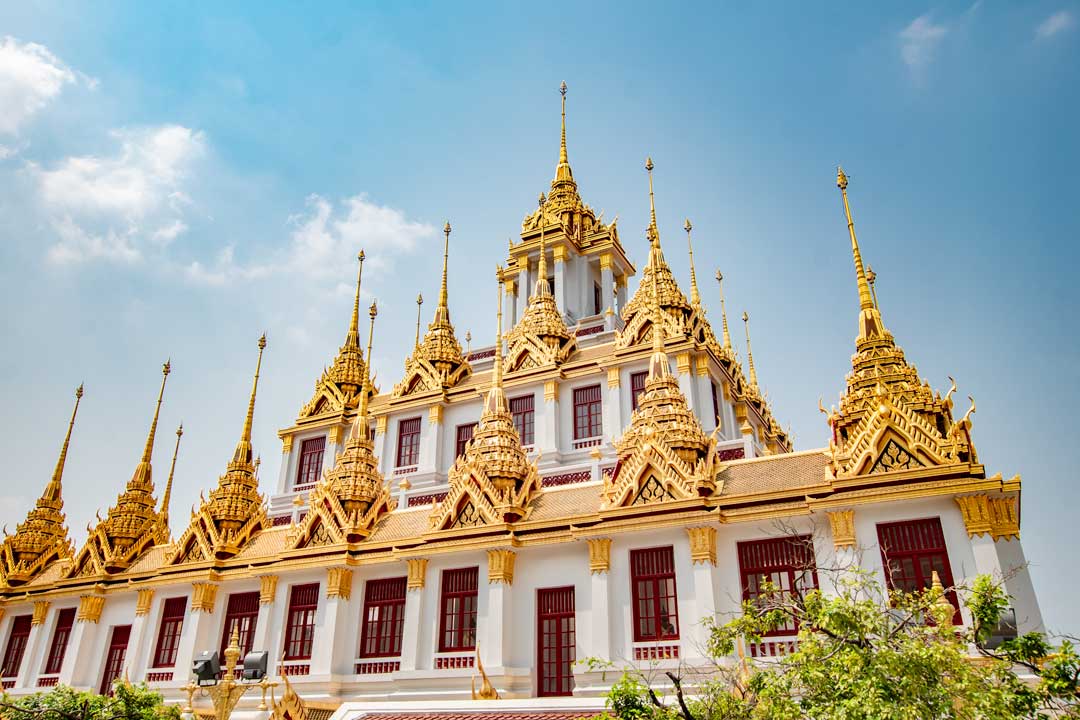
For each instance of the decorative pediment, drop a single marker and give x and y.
(330, 521)
(422, 376)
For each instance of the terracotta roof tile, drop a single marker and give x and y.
(401, 524)
(775, 473)
(566, 501)
(268, 542)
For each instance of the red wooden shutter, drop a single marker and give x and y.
(587, 412)
(556, 640)
(408, 452)
(524, 418)
(65, 619)
(16, 645)
(242, 613)
(114, 658)
(637, 386)
(911, 550)
(652, 584)
(300, 625)
(172, 622)
(786, 562)
(384, 618)
(458, 603)
(309, 469)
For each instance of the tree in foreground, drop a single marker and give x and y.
(128, 702)
(864, 652)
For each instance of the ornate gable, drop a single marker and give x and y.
(492, 482)
(43, 537)
(889, 420)
(235, 512)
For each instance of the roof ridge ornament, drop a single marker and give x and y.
(695, 296)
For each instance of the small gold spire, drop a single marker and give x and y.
(655, 232)
(541, 268)
(362, 415)
(354, 323)
(243, 448)
(148, 450)
(865, 300)
(723, 310)
(497, 368)
(749, 352)
(53, 489)
(443, 295)
(468, 343)
(871, 276)
(167, 496)
(695, 296)
(419, 304)
(563, 158)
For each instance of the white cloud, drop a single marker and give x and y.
(224, 269)
(30, 77)
(919, 41)
(1060, 21)
(107, 207)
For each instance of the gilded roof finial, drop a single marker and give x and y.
(658, 365)
(865, 300)
(749, 352)
(419, 304)
(723, 309)
(468, 343)
(871, 276)
(148, 449)
(563, 158)
(497, 368)
(541, 268)
(362, 415)
(354, 323)
(167, 496)
(243, 448)
(52, 491)
(695, 296)
(443, 296)
(654, 230)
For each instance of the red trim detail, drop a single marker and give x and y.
(309, 468)
(457, 629)
(429, 499)
(567, 478)
(168, 640)
(555, 631)
(114, 659)
(384, 618)
(910, 551)
(655, 601)
(408, 444)
(65, 620)
(377, 667)
(300, 623)
(657, 652)
(455, 662)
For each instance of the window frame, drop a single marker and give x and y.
(637, 387)
(383, 595)
(598, 299)
(924, 539)
(15, 648)
(173, 614)
(791, 557)
(524, 418)
(715, 403)
(237, 615)
(300, 621)
(115, 657)
(463, 434)
(655, 580)
(58, 643)
(454, 638)
(405, 428)
(565, 639)
(591, 423)
(310, 462)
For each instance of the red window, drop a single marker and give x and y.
(458, 631)
(408, 442)
(911, 551)
(715, 404)
(787, 563)
(522, 410)
(58, 647)
(300, 626)
(241, 613)
(384, 618)
(652, 581)
(114, 659)
(597, 299)
(587, 412)
(555, 628)
(637, 386)
(168, 639)
(311, 459)
(464, 435)
(16, 645)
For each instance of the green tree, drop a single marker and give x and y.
(128, 702)
(863, 653)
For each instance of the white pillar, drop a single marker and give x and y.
(333, 651)
(431, 444)
(140, 644)
(269, 625)
(607, 290)
(196, 635)
(560, 282)
(414, 614)
(612, 405)
(984, 549)
(523, 287)
(548, 442)
(82, 663)
(496, 630)
(32, 660)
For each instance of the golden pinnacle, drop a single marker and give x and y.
(79, 391)
(648, 164)
(374, 309)
(688, 227)
(262, 345)
(446, 229)
(562, 88)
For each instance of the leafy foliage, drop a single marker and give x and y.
(129, 702)
(863, 653)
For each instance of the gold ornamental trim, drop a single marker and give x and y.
(702, 544)
(1004, 518)
(701, 366)
(976, 512)
(380, 424)
(605, 261)
(41, 610)
(613, 378)
(842, 523)
(267, 589)
(286, 444)
(435, 414)
(339, 583)
(599, 555)
(203, 596)
(335, 435)
(682, 363)
(551, 390)
(143, 601)
(417, 573)
(501, 566)
(90, 607)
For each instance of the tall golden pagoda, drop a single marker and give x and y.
(338, 389)
(889, 418)
(133, 524)
(349, 500)
(43, 536)
(235, 512)
(493, 481)
(438, 363)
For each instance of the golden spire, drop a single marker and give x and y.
(563, 159)
(419, 304)
(658, 367)
(373, 311)
(654, 236)
(243, 447)
(870, 323)
(167, 496)
(497, 368)
(148, 449)
(541, 268)
(53, 489)
(354, 323)
(749, 352)
(723, 310)
(695, 296)
(443, 295)
(871, 276)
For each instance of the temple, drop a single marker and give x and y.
(605, 475)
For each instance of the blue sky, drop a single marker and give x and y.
(178, 178)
